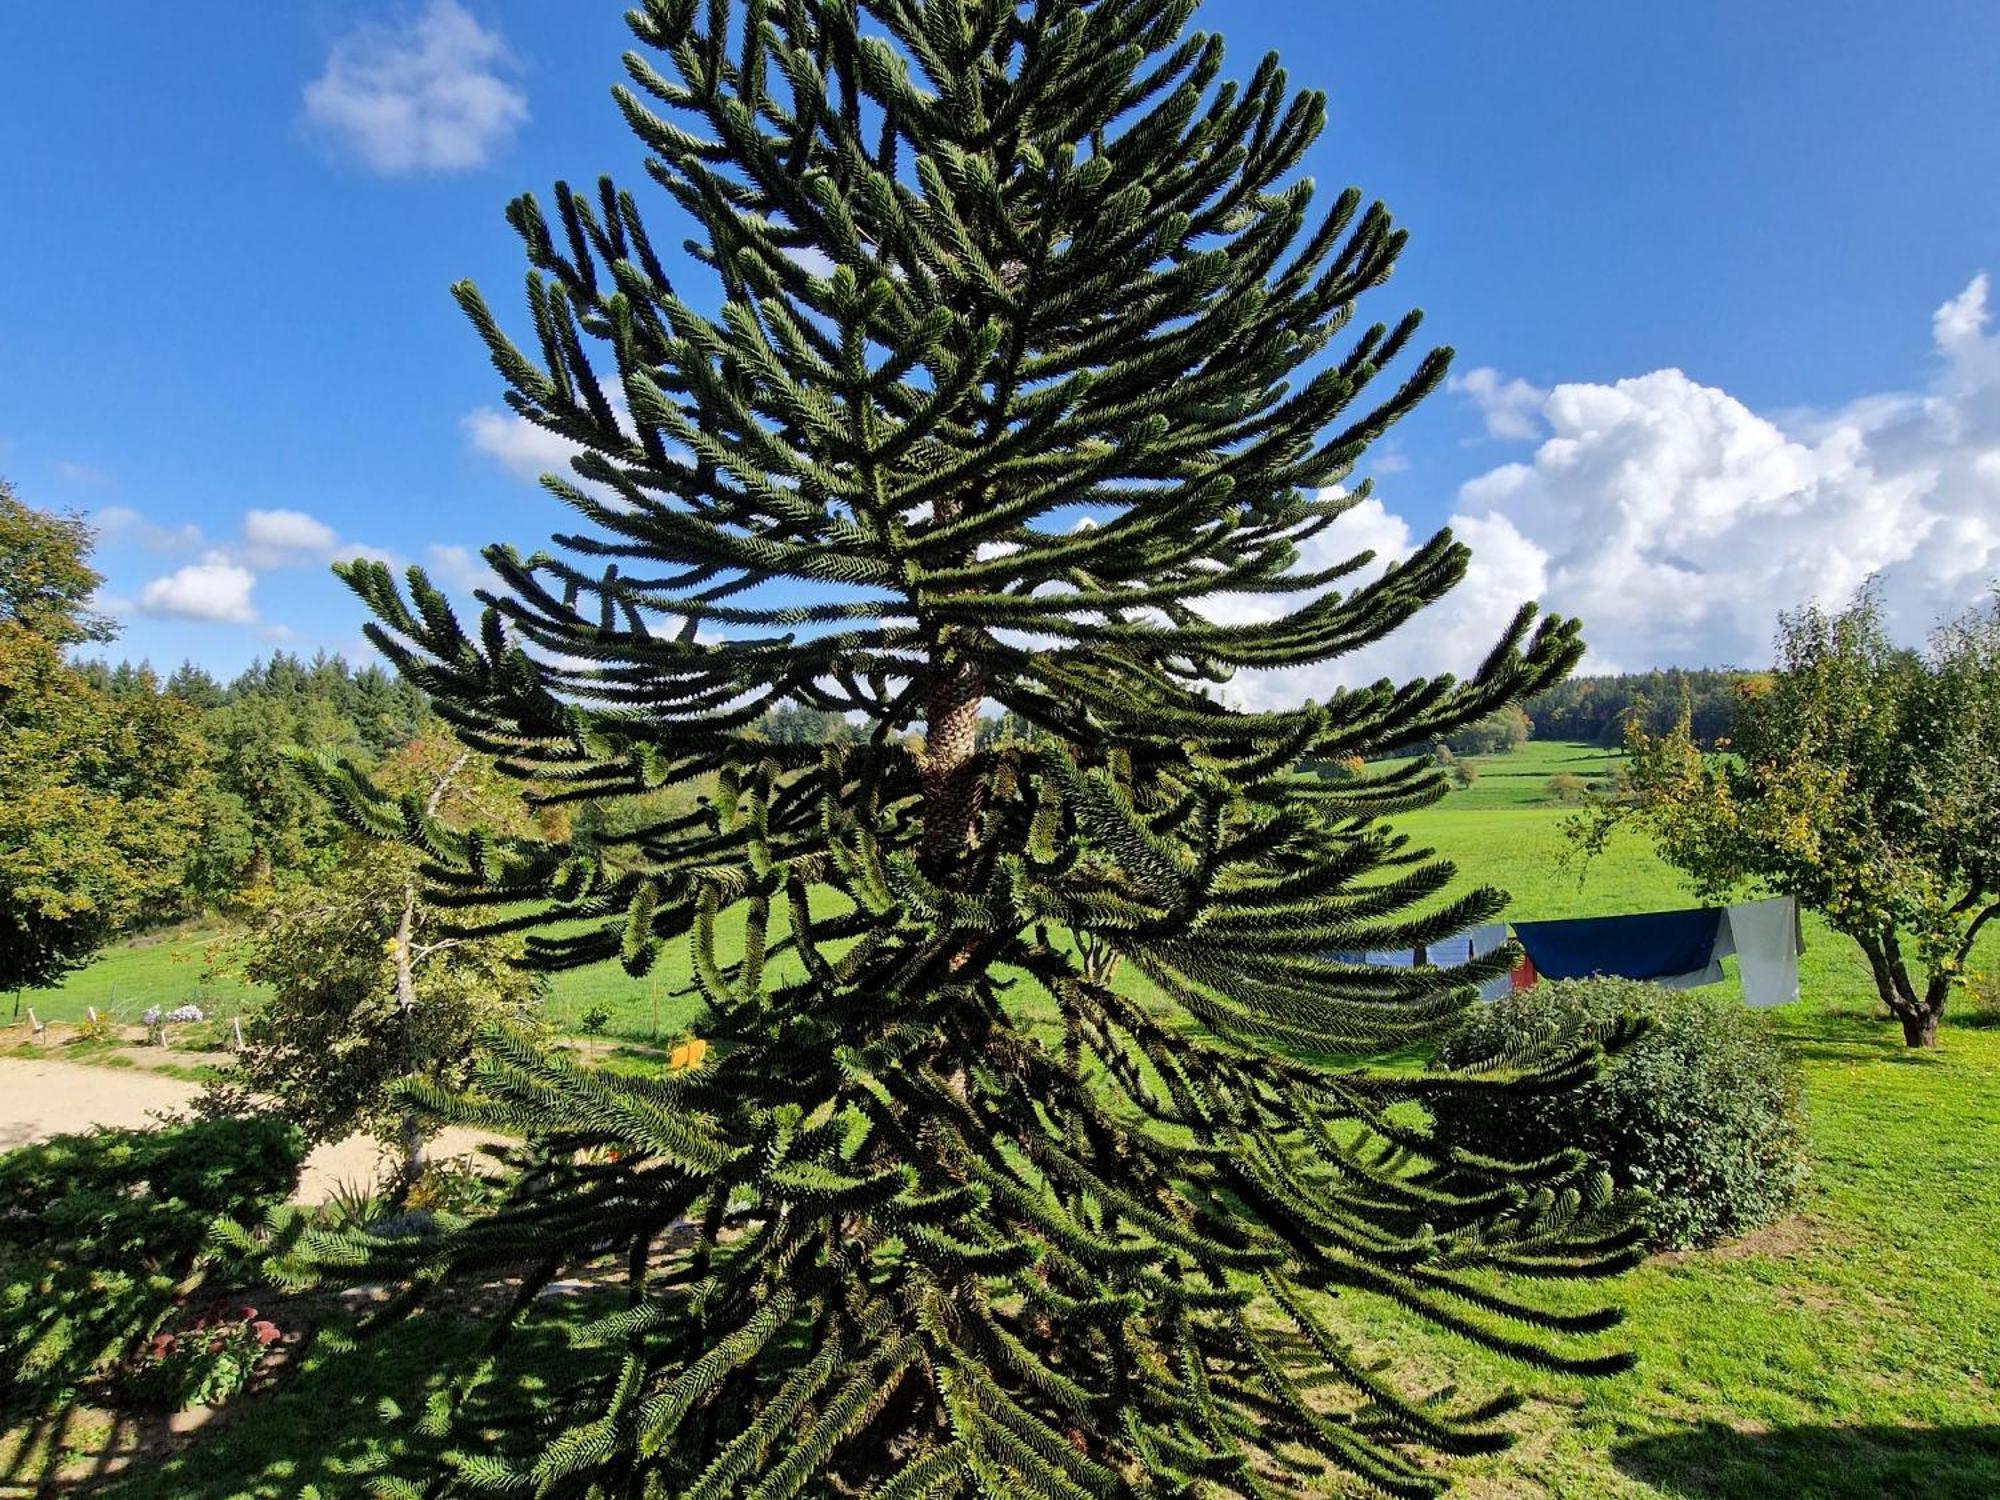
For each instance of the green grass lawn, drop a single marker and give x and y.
(1852, 1351)
(1521, 777)
(190, 963)
(167, 968)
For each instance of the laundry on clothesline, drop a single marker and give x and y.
(1671, 948)
(1767, 939)
(1676, 949)
(1474, 943)
(1460, 948)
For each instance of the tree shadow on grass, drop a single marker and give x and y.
(1714, 1462)
(324, 1431)
(1852, 1037)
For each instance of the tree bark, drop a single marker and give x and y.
(951, 778)
(410, 1131)
(1919, 1016)
(1920, 1029)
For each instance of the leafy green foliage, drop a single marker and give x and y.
(46, 581)
(986, 272)
(1702, 1112)
(262, 821)
(104, 1236)
(339, 1029)
(1861, 779)
(1502, 730)
(99, 798)
(1598, 710)
(205, 1363)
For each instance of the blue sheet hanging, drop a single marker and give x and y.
(1674, 948)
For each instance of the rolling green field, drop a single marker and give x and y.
(1848, 1353)
(192, 962)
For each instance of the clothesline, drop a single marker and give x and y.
(1677, 949)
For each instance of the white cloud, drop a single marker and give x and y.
(292, 538)
(528, 451)
(430, 94)
(282, 533)
(121, 523)
(83, 476)
(462, 568)
(1677, 523)
(363, 552)
(218, 587)
(214, 589)
(1510, 408)
(518, 445)
(1453, 635)
(1961, 323)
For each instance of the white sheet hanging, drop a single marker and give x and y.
(1764, 936)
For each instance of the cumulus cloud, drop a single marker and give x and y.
(1676, 522)
(528, 451)
(1453, 635)
(1511, 409)
(214, 589)
(516, 444)
(218, 587)
(432, 93)
(282, 535)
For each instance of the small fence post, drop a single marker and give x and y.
(236, 1030)
(37, 1026)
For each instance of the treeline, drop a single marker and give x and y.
(1595, 710)
(256, 818)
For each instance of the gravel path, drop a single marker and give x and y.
(41, 1099)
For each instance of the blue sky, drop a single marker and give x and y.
(1712, 272)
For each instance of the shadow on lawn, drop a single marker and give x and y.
(323, 1429)
(1714, 1462)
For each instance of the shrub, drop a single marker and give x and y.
(1703, 1111)
(104, 1237)
(95, 1031)
(202, 1364)
(595, 1020)
(1565, 786)
(1499, 732)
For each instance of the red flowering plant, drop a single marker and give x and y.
(204, 1363)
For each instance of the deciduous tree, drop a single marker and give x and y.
(1859, 777)
(99, 796)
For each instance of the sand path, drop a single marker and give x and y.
(40, 1099)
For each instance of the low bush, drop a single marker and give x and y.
(104, 1238)
(202, 1364)
(1703, 1111)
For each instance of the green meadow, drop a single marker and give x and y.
(1850, 1351)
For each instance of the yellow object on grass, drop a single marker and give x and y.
(687, 1055)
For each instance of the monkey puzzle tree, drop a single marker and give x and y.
(945, 1215)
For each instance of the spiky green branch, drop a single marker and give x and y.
(948, 1215)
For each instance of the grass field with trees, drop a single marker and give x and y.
(1849, 1351)
(837, 994)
